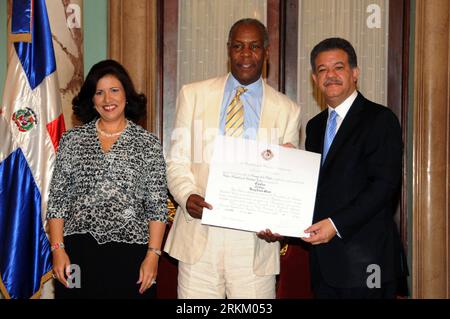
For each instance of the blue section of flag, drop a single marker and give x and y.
(37, 58)
(21, 17)
(24, 248)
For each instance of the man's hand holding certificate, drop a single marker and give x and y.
(254, 186)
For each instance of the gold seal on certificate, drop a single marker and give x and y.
(255, 186)
(267, 155)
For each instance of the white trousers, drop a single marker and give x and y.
(225, 269)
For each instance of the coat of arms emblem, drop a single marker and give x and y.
(25, 119)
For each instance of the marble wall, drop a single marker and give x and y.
(66, 22)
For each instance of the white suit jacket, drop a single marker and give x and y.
(196, 126)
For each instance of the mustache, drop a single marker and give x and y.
(332, 81)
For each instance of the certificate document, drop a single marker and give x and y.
(255, 186)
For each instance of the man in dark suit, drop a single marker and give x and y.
(356, 251)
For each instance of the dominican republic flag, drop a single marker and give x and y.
(31, 124)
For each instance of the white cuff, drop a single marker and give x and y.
(337, 232)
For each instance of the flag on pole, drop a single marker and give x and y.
(31, 124)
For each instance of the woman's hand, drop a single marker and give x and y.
(148, 271)
(61, 266)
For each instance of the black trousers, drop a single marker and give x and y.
(107, 271)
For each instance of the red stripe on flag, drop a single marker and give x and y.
(56, 128)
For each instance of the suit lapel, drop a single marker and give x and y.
(213, 103)
(321, 131)
(269, 116)
(345, 130)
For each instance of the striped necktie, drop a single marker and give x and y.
(329, 134)
(234, 121)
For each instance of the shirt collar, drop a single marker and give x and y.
(342, 109)
(253, 87)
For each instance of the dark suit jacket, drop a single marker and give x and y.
(358, 188)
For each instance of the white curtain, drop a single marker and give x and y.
(365, 24)
(203, 34)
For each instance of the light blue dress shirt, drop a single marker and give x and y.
(251, 100)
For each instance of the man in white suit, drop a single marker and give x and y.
(217, 262)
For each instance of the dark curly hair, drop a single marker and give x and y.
(83, 106)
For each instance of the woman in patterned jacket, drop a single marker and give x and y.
(107, 204)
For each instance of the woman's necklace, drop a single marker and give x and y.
(109, 134)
